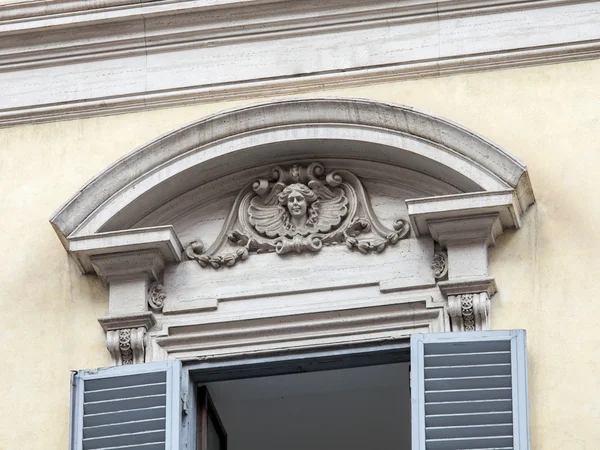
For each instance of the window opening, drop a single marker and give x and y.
(351, 408)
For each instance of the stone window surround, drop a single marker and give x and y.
(132, 261)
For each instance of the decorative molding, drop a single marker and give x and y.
(71, 12)
(126, 346)
(473, 206)
(468, 285)
(469, 312)
(379, 320)
(440, 265)
(112, 323)
(464, 230)
(127, 56)
(299, 209)
(177, 163)
(117, 252)
(156, 297)
(196, 172)
(129, 264)
(332, 275)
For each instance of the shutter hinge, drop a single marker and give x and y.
(184, 404)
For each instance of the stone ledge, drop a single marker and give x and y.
(468, 286)
(113, 323)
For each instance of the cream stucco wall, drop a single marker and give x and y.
(547, 116)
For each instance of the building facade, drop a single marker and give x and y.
(276, 176)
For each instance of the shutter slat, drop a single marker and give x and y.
(470, 443)
(448, 348)
(467, 359)
(124, 427)
(149, 446)
(124, 381)
(135, 407)
(444, 420)
(491, 381)
(143, 437)
(475, 406)
(124, 403)
(92, 420)
(468, 370)
(124, 392)
(457, 395)
(464, 388)
(487, 430)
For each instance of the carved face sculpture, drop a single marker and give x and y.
(299, 209)
(296, 204)
(297, 198)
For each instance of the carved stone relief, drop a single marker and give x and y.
(126, 346)
(156, 297)
(440, 265)
(298, 209)
(469, 312)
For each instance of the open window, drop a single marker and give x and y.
(467, 391)
(351, 408)
(210, 432)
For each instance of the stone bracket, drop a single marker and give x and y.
(129, 262)
(466, 225)
(126, 346)
(469, 312)
(126, 338)
(469, 302)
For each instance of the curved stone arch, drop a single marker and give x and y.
(470, 190)
(438, 146)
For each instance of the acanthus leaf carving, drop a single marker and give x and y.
(298, 209)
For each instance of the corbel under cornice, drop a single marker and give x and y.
(466, 224)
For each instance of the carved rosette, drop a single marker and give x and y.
(440, 265)
(469, 312)
(298, 209)
(156, 297)
(126, 346)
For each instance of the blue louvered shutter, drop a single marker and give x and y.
(469, 391)
(134, 407)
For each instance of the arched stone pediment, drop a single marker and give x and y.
(411, 190)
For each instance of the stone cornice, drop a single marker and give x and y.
(104, 202)
(103, 249)
(36, 13)
(468, 285)
(471, 206)
(131, 47)
(112, 323)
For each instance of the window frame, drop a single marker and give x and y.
(277, 363)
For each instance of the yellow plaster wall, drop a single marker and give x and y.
(547, 116)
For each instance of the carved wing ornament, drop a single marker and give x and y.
(298, 209)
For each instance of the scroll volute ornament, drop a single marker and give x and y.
(298, 209)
